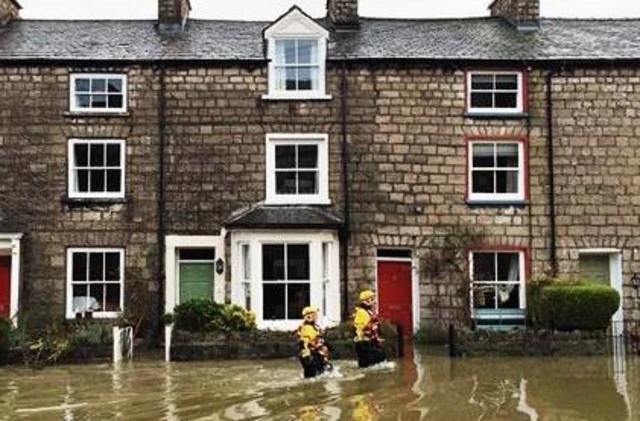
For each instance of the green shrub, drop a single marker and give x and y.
(581, 306)
(207, 316)
(93, 334)
(534, 305)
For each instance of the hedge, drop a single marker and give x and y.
(200, 315)
(577, 307)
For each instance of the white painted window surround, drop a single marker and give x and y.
(98, 93)
(496, 171)
(96, 168)
(324, 277)
(296, 29)
(284, 159)
(495, 92)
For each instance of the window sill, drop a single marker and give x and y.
(495, 115)
(310, 97)
(497, 203)
(293, 202)
(88, 202)
(120, 114)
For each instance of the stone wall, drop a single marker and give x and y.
(343, 13)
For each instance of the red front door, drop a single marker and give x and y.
(5, 285)
(394, 294)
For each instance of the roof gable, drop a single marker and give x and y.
(295, 23)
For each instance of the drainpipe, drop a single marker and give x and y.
(162, 126)
(345, 232)
(550, 165)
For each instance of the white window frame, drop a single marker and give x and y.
(71, 175)
(70, 314)
(520, 196)
(520, 93)
(322, 142)
(72, 93)
(322, 289)
(521, 283)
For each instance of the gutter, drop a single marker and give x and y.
(161, 232)
(551, 166)
(345, 232)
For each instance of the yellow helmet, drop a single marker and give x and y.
(366, 294)
(309, 310)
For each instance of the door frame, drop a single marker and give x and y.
(615, 281)
(415, 284)
(10, 245)
(176, 242)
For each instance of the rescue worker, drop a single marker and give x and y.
(314, 352)
(367, 340)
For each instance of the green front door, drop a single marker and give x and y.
(197, 275)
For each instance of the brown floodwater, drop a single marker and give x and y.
(422, 386)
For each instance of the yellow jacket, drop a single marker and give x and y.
(362, 321)
(309, 335)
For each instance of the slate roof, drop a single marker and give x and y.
(285, 217)
(446, 39)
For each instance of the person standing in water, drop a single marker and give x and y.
(367, 325)
(314, 352)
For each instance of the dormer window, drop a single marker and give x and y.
(296, 49)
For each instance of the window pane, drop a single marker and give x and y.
(508, 267)
(307, 182)
(97, 155)
(286, 182)
(291, 78)
(483, 155)
(507, 82)
(304, 79)
(115, 101)
(509, 296)
(96, 297)
(79, 267)
(484, 267)
(198, 254)
(83, 101)
(96, 266)
(83, 85)
(97, 181)
(483, 182)
(481, 100)
(298, 298)
(99, 101)
(506, 100)
(114, 181)
(82, 182)
(112, 266)
(115, 85)
(113, 155)
(273, 262)
(507, 155)
(79, 293)
(81, 155)
(289, 51)
(307, 51)
(285, 156)
(308, 156)
(297, 262)
(482, 82)
(280, 51)
(112, 300)
(484, 296)
(273, 302)
(281, 78)
(98, 85)
(506, 181)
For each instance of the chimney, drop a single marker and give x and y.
(172, 14)
(9, 10)
(343, 14)
(523, 14)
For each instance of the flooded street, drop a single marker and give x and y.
(421, 386)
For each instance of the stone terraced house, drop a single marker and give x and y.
(445, 163)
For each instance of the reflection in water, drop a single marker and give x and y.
(420, 387)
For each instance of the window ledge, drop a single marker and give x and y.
(497, 203)
(310, 97)
(87, 202)
(285, 202)
(96, 114)
(495, 115)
